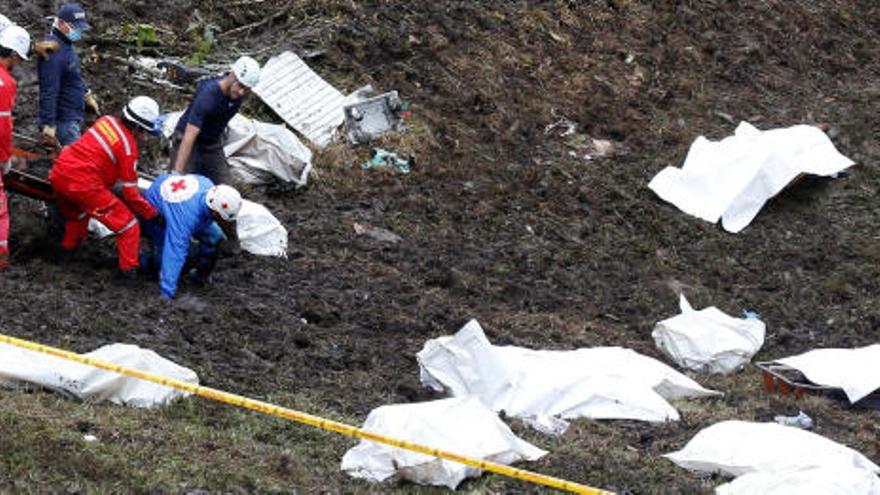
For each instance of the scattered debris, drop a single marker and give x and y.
(301, 97)
(709, 340)
(384, 158)
(544, 388)
(737, 448)
(381, 235)
(370, 118)
(801, 421)
(731, 179)
(854, 371)
(23, 368)
(461, 425)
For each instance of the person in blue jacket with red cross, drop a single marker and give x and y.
(191, 207)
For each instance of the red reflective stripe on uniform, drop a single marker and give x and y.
(5, 114)
(127, 184)
(130, 225)
(103, 144)
(122, 134)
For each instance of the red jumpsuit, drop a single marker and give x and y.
(8, 87)
(83, 176)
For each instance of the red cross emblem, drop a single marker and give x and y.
(177, 186)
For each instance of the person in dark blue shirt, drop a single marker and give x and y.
(191, 207)
(196, 144)
(63, 93)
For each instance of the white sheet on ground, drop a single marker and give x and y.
(856, 371)
(736, 448)
(22, 366)
(545, 388)
(460, 425)
(709, 340)
(258, 151)
(731, 179)
(821, 480)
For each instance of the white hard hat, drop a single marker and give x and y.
(143, 111)
(247, 71)
(16, 39)
(4, 22)
(225, 200)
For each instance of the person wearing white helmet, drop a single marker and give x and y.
(85, 173)
(14, 45)
(196, 144)
(191, 206)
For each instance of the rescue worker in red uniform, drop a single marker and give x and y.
(86, 171)
(14, 45)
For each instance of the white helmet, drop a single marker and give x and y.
(225, 200)
(4, 22)
(247, 71)
(143, 111)
(16, 39)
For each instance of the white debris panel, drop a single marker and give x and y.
(736, 448)
(821, 480)
(856, 371)
(731, 179)
(23, 367)
(545, 388)
(709, 340)
(301, 97)
(460, 425)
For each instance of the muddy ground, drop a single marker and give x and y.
(503, 219)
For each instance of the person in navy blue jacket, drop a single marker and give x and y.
(191, 207)
(63, 93)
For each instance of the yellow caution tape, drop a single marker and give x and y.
(300, 417)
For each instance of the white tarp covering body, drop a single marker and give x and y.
(731, 179)
(257, 151)
(821, 481)
(301, 97)
(737, 448)
(21, 366)
(259, 232)
(856, 371)
(709, 340)
(545, 388)
(461, 425)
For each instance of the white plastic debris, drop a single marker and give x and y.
(709, 340)
(22, 367)
(731, 179)
(258, 152)
(460, 425)
(735, 448)
(822, 480)
(545, 388)
(856, 371)
(802, 420)
(301, 97)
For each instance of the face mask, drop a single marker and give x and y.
(74, 35)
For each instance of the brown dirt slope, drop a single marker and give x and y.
(503, 219)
